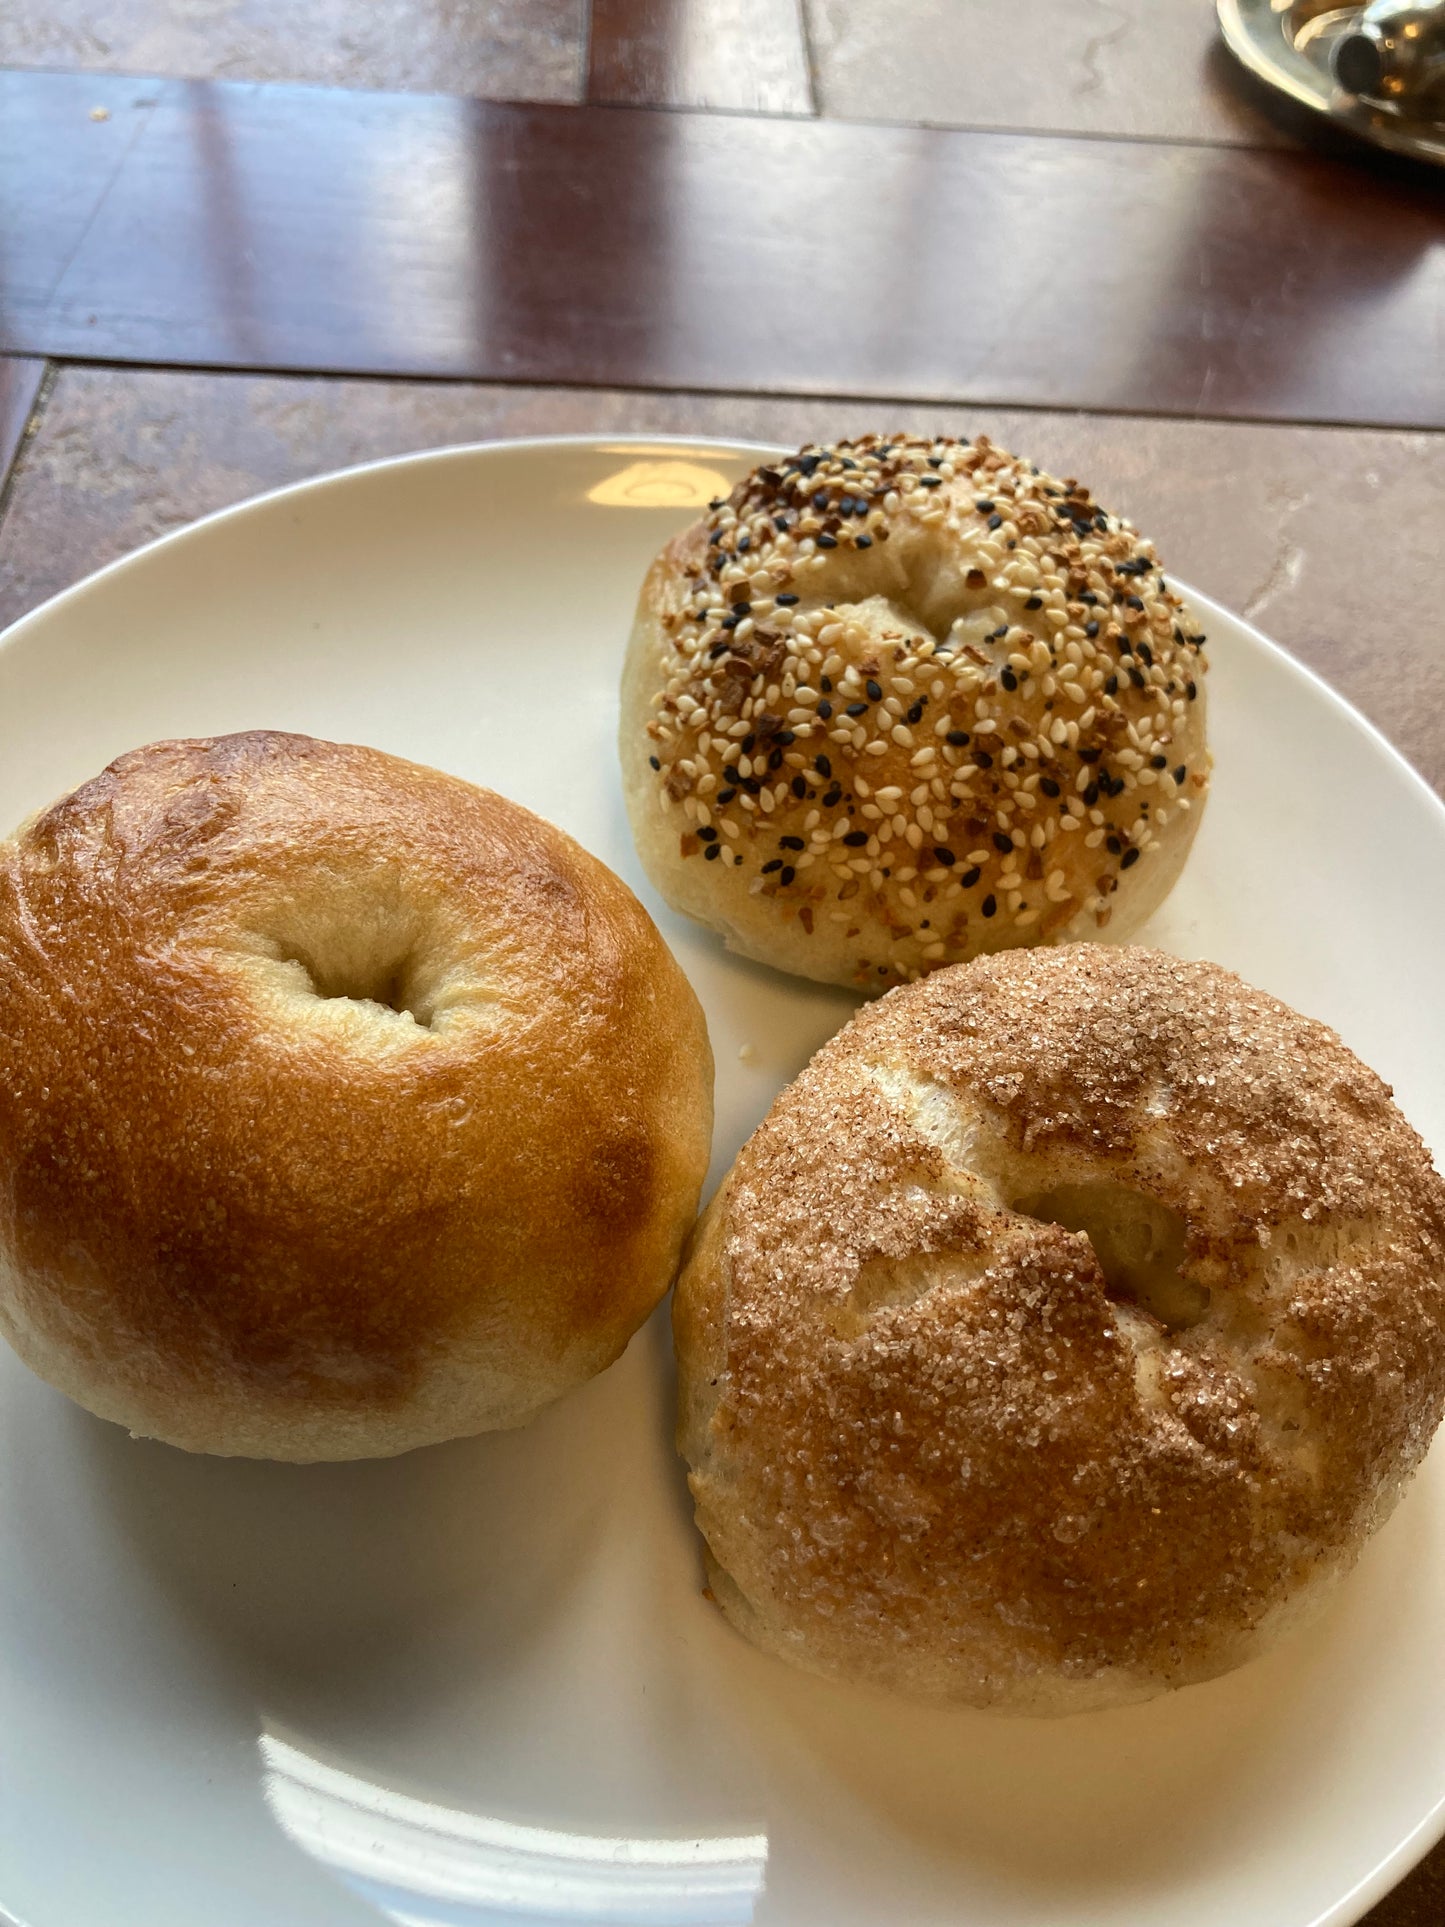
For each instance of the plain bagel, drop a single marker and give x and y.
(1061, 1334)
(344, 1107)
(902, 701)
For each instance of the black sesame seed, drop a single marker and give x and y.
(1158, 762)
(776, 864)
(1191, 690)
(825, 712)
(827, 541)
(790, 843)
(785, 601)
(1087, 595)
(775, 761)
(780, 523)
(1130, 857)
(726, 796)
(1091, 628)
(945, 857)
(855, 839)
(786, 737)
(1111, 687)
(989, 904)
(730, 622)
(825, 683)
(799, 788)
(1136, 676)
(712, 851)
(1009, 680)
(982, 759)
(915, 714)
(930, 481)
(1113, 845)
(970, 877)
(1134, 603)
(957, 737)
(707, 835)
(832, 799)
(1048, 786)
(744, 543)
(1002, 842)
(995, 521)
(983, 505)
(1089, 755)
(1180, 774)
(787, 873)
(742, 608)
(1146, 655)
(820, 500)
(875, 690)
(1091, 795)
(856, 709)
(654, 762)
(863, 542)
(749, 744)
(1034, 602)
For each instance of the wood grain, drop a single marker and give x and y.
(499, 49)
(409, 234)
(745, 56)
(1142, 69)
(20, 384)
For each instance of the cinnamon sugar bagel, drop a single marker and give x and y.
(900, 702)
(344, 1107)
(1061, 1334)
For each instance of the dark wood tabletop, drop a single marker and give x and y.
(241, 246)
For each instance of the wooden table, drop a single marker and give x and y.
(308, 236)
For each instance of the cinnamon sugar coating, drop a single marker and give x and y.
(943, 1443)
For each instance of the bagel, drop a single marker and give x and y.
(898, 703)
(344, 1107)
(1061, 1334)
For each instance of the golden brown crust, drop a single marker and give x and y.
(933, 1446)
(901, 702)
(249, 1217)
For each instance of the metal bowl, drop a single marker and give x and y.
(1289, 44)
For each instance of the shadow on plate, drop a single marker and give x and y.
(357, 1586)
(1100, 1808)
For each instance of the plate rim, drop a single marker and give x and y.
(1429, 1830)
(456, 451)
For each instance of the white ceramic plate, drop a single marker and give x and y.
(480, 1684)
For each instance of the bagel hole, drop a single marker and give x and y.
(361, 976)
(1138, 1242)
